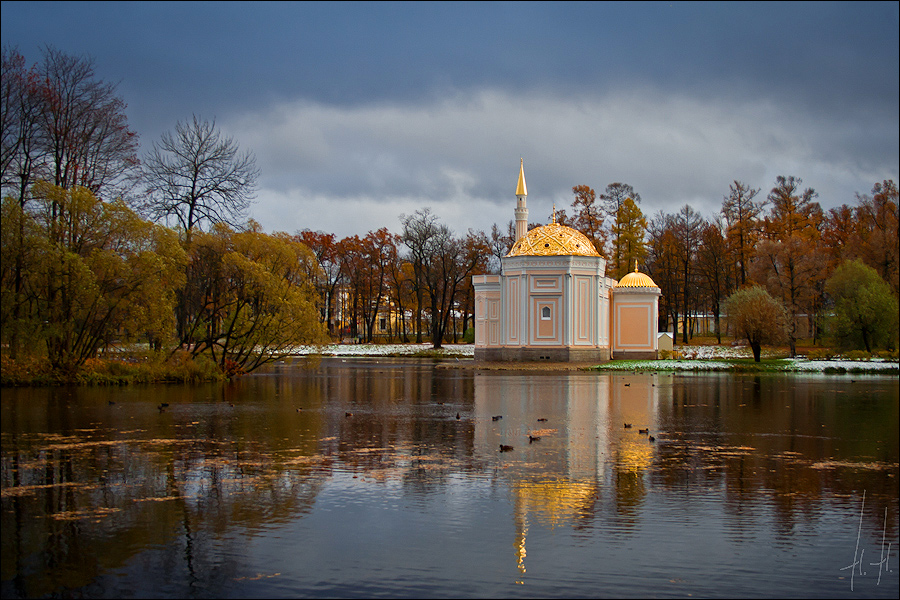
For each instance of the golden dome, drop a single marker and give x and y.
(553, 240)
(636, 279)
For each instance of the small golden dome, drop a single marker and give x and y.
(636, 279)
(553, 240)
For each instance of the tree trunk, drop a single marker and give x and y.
(419, 315)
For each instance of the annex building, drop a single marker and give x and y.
(553, 301)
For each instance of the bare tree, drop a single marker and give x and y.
(615, 195)
(62, 124)
(18, 117)
(442, 264)
(688, 229)
(419, 229)
(199, 177)
(86, 135)
(714, 268)
(500, 244)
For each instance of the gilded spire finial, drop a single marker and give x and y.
(521, 190)
(554, 213)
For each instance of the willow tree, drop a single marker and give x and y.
(96, 273)
(251, 298)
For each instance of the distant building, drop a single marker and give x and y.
(552, 300)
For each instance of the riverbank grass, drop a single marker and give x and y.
(124, 369)
(748, 365)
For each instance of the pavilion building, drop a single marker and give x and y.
(552, 300)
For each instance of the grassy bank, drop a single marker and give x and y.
(769, 365)
(124, 369)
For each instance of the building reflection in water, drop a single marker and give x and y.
(584, 448)
(95, 480)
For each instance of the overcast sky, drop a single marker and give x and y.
(358, 113)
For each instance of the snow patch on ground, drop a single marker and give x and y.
(688, 358)
(457, 350)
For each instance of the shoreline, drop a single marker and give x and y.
(708, 359)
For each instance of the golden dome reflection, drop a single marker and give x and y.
(553, 240)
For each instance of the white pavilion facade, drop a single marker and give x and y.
(552, 300)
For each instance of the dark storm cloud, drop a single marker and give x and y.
(361, 111)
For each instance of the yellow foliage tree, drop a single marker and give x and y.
(756, 316)
(96, 273)
(251, 298)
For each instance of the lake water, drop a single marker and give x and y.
(355, 478)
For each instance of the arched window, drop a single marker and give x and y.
(545, 313)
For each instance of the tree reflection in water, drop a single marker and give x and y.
(107, 499)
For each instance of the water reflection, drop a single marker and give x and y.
(107, 492)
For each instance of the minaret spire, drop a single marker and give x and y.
(521, 190)
(521, 209)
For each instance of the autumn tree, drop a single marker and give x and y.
(401, 283)
(378, 249)
(588, 217)
(419, 233)
(714, 269)
(353, 279)
(755, 315)
(96, 272)
(786, 260)
(688, 226)
(615, 195)
(628, 232)
(563, 218)
(612, 201)
(21, 147)
(663, 266)
(742, 215)
(840, 236)
(328, 275)
(793, 212)
(475, 261)
(254, 300)
(197, 177)
(865, 311)
(62, 125)
(443, 265)
(878, 217)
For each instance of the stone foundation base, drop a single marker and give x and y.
(598, 355)
(633, 355)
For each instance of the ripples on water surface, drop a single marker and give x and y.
(355, 478)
